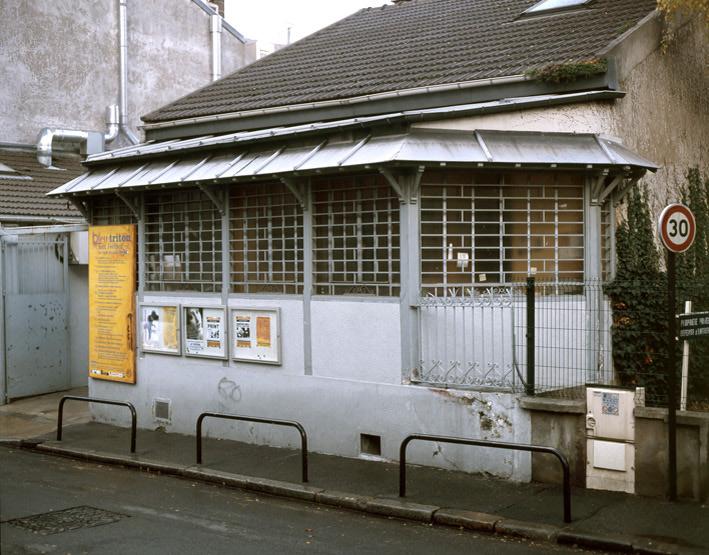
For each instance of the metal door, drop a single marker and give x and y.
(35, 288)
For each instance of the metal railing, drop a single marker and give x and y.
(288, 423)
(485, 443)
(66, 398)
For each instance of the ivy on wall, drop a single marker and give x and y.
(638, 296)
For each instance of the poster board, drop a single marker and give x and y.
(159, 328)
(204, 331)
(256, 335)
(112, 302)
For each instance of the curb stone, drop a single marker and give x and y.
(382, 506)
(480, 522)
(401, 509)
(343, 500)
(609, 542)
(527, 530)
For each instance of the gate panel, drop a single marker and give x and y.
(35, 344)
(35, 272)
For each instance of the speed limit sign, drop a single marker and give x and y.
(676, 227)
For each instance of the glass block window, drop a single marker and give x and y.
(496, 228)
(183, 245)
(607, 267)
(355, 236)
(266, 240)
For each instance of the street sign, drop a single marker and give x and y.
(693, 326)
(676, 227)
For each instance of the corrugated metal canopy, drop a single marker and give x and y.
(415, 147)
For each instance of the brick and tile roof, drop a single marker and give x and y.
(413, 44)
(24, 193)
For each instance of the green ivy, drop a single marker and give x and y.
(638, 297)
(569, 72)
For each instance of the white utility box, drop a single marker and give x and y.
(610, 438)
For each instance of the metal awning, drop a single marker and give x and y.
(417, 147)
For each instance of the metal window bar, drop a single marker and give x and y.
(266, 240)
(496, 233)
(182, 242)
(356, 237)
(110, 210)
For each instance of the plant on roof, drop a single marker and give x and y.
(673, 10)
(569, 72)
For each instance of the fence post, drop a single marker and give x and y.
(530, 386)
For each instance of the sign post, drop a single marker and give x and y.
(676, 227)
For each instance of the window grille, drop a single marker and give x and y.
(606, 242)
(495, 229)
(110, 210)
(356, 237)
(266, 240)
(183, 246)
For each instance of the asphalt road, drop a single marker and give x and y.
(149, 513)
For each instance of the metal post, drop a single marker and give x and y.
(530, 385)
(671, 375)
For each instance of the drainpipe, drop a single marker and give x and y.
(123, 71)
(215, 28)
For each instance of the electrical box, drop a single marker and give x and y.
(610, 438)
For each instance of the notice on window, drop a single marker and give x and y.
(205, 331)
(112, 303)
(256, 335)
(160, 329)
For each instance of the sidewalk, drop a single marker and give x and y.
(601, 520)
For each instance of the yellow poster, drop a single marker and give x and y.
(263, 331)
(112, 302)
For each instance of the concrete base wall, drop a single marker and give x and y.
(355, 389)
(692, 453)
(560, 424)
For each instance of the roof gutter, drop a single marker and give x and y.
(340, 102)
(39, 220)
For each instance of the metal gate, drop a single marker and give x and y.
(35, 274)
(472, 338)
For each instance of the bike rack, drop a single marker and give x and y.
(485, 443)
(289, 423)
(103, 402)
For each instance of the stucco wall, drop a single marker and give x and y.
(59, 61)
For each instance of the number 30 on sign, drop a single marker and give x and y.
(676, 227)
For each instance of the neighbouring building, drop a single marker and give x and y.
(74, 79)
(345, 227)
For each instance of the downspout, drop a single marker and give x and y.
(215, 29)
(123, 72)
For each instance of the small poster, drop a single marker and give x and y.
(256, 335)
(160, 329)
(205, 331)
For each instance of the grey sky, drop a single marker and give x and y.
(268, 20)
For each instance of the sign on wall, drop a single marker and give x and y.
(112, 303)
(204, 331)
(160, 329)
(256, 335)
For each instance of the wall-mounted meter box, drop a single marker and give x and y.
(610, 443)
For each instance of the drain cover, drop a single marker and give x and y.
(75, 518)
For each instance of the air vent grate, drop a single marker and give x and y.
(161, 409)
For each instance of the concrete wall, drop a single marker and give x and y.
(355, 389)
(558, 423)
(692, 453)
(59, 61)
(78, 319)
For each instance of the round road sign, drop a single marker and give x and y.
(676, 227)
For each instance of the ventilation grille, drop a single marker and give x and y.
(161, 409)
